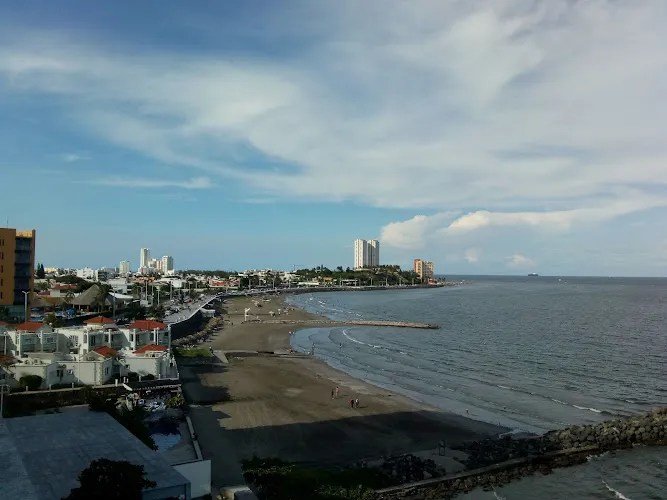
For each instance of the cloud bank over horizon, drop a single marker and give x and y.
(509, 133)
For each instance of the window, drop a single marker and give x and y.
(60, 373)
(106, 371)
(74, 340)
(131, 337)
(85, 338)
(70, 371)
(92, 342)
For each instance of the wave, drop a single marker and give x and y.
(617, 494)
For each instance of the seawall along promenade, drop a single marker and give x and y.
(319, 322)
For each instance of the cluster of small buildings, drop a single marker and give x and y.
(96, 353)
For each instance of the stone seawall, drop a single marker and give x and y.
(494, 462)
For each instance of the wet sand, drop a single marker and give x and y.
(281, 404)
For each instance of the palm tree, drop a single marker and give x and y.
(101, 296)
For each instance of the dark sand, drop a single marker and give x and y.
(281, 405)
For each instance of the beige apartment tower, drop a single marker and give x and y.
(424, 269)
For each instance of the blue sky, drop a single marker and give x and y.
(504, 136)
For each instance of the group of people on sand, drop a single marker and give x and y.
(354, 403)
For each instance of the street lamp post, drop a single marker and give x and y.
(25, 296)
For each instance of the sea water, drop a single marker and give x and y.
(531, 354)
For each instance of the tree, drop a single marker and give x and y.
(106, 479)
(68, 299)
(158, 312)
(33, 382)
(135, 311)
(54, 321)
(101, 296)
(40, 271)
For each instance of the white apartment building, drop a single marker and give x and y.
(366, 254)
(167, 264)
(86, 273)
(124, 268)
(144, 257)
(92, 354)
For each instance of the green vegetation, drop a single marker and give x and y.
(381, 275)
(276, 479)
(106, 479)
(39, 272)
(69, 279)
(135, 311)
(157, 312)
(192, 352)
(54, 321)
(34, 382)
(175, 402)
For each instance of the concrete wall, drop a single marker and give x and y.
(199, 475)
(187, 327)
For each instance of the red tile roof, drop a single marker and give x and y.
(147, 324)
(106, 351)
(3, 323)
(65, 287)
(100, 320)
(30, 326)
(150, 348)
(6, 360)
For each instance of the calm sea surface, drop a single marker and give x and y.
(531, 354)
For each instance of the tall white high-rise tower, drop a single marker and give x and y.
(366, 253)
(144, 257)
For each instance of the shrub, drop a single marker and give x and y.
(175, 402)
(276, 479)
(150, 376)
(33, 382)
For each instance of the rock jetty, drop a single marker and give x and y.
(494, 462)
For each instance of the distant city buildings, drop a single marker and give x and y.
(366, 254)
(167, 264)
(424, 269)
(124, 268)
(17, 264)
(144, 257)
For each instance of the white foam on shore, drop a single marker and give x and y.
(617, 494)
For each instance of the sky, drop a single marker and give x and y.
(488, 136)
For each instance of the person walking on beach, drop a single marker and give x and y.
(351, 403)
(356, 403)
(337, 390)
(332, 393)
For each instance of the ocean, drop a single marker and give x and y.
(529, 353)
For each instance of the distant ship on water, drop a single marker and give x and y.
(533, 274)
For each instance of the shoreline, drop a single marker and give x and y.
(280, 404)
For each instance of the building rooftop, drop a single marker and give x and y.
(150, 348)
(106, 351)
(30, 326)
(147, 324)
(100, 320)
(44, 454)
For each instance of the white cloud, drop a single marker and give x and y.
(413, 233)
(194, 183)
(472, 255)
(496, 105)
(518, 260)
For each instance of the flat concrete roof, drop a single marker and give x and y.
(43, 455)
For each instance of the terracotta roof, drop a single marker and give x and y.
(6, 360)
(150, 348)
(30, 326)
(106, 351)
(147, 324)
(65, 287)
(99, 320)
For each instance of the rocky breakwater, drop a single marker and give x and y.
(647, 429)
(496, 461)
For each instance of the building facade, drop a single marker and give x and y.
(124, 268)
(167, 264)
(17, 264)
(424, 269)
(144, 257)
(366, 254)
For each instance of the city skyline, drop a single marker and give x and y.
(493, 137)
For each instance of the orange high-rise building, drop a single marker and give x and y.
(17, 265)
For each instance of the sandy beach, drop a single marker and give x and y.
(281, 404)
